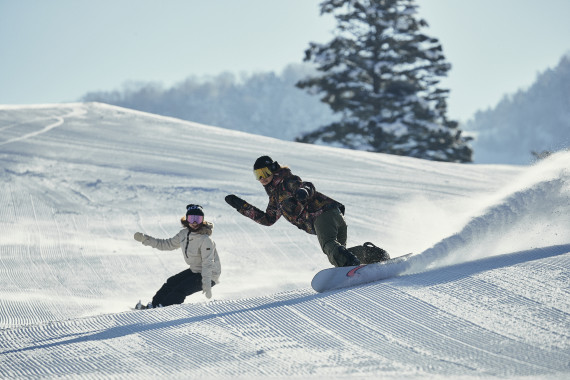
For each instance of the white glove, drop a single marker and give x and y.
(207, 293)
(139, 236)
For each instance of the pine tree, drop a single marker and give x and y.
(381, 74)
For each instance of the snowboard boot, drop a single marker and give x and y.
(342, 257)
(368, 253)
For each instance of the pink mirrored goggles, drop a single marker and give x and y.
(191, 219)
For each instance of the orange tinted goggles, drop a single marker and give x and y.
(262, 173)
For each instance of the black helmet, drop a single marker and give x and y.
(193, 209)
(264, 167)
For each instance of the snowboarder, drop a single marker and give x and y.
(200, 254)
(307, 209)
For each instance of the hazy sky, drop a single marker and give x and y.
(58, 50)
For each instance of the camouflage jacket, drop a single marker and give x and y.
(282, 201)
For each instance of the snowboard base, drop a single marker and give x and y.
(344, 277)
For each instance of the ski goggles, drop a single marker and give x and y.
(262, 173)
(191, 219)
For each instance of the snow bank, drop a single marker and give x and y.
(79, 179)
(535, 215)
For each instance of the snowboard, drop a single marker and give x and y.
(344, 277)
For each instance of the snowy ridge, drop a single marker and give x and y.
(489, 299)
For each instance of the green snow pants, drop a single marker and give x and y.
(332, 233)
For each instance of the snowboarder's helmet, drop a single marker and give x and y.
(194, 213)
(193, 209)
(264, 167)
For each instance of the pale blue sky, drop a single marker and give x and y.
(58, 50)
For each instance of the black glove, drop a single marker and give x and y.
(301, 195)
(235, 202)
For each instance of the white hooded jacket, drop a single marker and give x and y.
(198, 249)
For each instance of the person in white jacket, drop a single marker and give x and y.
(199, 251)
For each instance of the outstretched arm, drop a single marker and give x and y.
(160, 244)
(267, 218)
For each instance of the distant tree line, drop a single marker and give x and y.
(267, 104)
(527, 125)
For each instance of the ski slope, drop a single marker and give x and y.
(486, 294)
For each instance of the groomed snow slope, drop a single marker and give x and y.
(486, 296)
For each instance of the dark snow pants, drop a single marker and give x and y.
(177, 288)
(332, 233)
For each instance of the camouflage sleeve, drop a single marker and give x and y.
(294, 183)
(293, 207)
(267, 218)
(310, 189)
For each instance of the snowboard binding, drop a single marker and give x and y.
(369, 253)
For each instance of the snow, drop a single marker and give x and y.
(485, 296)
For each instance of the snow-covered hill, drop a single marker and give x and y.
(487, 294)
